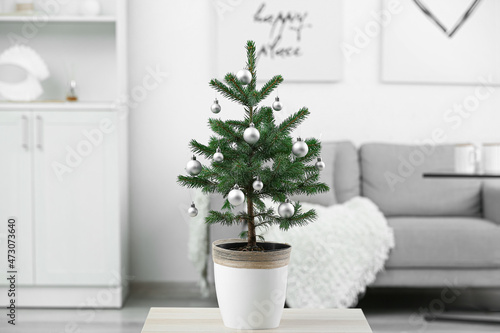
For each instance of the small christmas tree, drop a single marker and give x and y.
(255, 158)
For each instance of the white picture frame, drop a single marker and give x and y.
(298, 39)
(417, 48)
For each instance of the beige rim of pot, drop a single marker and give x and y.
(249, 259)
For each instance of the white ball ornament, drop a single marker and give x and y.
(244, 76)
(300, 148)
(251, 134)
(215, 108)
(192, 211)
(193, 167)
(277, 106)
(258, 185)
(320, 165)
(236, 196)
(286, 209)
(218, 157)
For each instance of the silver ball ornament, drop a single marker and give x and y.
(300, 148)
(277, 106)
(236, 196)
(286, 209)
(251, 134)
(258, 185)
(215, 108)
(193, 167)
(192, 211)
(244, 76)
(320, 165)
(218, 157)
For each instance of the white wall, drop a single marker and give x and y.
(179, 37)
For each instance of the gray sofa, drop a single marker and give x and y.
(447, 230)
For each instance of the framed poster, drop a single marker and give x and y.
(443, 41)
(298, 39)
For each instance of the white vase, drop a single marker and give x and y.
(250, 286)
(90, 8)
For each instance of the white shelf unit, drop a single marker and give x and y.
(87, 213)
(65, 19)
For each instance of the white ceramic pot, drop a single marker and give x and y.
(250, 286)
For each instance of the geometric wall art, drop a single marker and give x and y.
(442, 41)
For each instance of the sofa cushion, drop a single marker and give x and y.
(342, 174)
(392, 178)
(346, 173)
(444, 242)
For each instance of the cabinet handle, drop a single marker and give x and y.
(39, 133)
(25, 143)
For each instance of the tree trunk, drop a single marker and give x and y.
(252, 239)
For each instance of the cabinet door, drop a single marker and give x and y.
(76, 198)
(15, 193)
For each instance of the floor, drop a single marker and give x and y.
(386, 311)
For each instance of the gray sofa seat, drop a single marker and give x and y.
(444, 242)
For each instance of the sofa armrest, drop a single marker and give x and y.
(491, 201)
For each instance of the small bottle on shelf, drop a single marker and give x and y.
(71, 96)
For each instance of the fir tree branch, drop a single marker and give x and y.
(226, 91)
(290, 123)
(270, 86)
(251, 60)
(231, 79)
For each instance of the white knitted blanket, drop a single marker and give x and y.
(337, 256)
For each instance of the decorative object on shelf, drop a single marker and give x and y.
(193, 167)
(25, 7)
(35, 69)
(218, 157)
(71, 96)
(491, 157)
(466, 158)
(300, 148)
(244, 76)
(251, 134)
(258, 185)
(277, 106)
(320, 165)
(236, 196)
(246, 271)
(286, 209)
(193, 211)
(215, 107)
(90, 8)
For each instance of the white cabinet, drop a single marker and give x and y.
(16, 192)
(63, 175)
(76, 198)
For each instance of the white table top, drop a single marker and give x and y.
(204, 320)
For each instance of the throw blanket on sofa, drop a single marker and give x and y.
(337, 256)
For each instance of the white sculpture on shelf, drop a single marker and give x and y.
(25, 59)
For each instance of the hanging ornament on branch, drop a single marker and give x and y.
(300, 148)
(218, 157)
(193, 167)
(258, 185)
(192, 211)
(320, 165)
(236, 196)
(277, 106)
(251, 134)
(215, 108)
(244, 76)
(286, 209)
